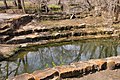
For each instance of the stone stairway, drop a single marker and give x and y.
(10, 23)
(36, 33)
(20, 29)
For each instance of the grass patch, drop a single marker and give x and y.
(54, 6)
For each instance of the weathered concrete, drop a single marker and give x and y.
(77, 69)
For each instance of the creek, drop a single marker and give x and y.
(40, 57)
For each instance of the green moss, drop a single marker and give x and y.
(54, 6)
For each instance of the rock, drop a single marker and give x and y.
(116, 60)
(74, 69)
(101, 64)
(23, 45)
(86, 67)
(45, 74)
(24, 76)
(66, 71)
(82, 25)
(7, 50)
(110, 64)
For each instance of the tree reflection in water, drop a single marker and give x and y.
(40, 58)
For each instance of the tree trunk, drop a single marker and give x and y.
(19, 4)
(117, 10)
(23, 6)
(6, 6)
(90, 6)
(15, 3)
(59, 2)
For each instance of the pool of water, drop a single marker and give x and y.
(41, 57)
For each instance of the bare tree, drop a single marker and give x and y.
(6, 6)
(23, 6)
(90, 6)
(14, 2)
(19, 5)
(117, 10)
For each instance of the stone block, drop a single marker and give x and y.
(101, 64)
(86, 67)
(24, 76)
(116, 59)
(65, 71)
(110, 64)
(45, 74)
(76, 69)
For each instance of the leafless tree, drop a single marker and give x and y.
(117, 10)
(19, 5)
(23, 6)
(15, 2)
(6, 6)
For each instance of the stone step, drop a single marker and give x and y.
(28, 32)
(55, 16)
(4, 26)
(33, 29)
(46, 74)
(6, 31)
(12, 22)
(35, 37)
(5, 38)
(27, 38)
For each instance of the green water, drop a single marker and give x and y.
(41, 57)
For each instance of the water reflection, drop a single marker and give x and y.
(40, 58)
